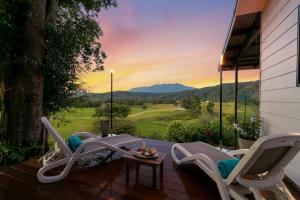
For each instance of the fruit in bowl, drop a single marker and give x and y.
(146, 152)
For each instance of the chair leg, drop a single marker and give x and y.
(49, 179)
(223, 190)
(256, 193)
(279, 190)
(282, 192)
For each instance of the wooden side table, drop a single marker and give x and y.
(154, 163)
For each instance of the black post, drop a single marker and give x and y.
(221, 105)
(245, 108)
(111, 100)
(235, 104)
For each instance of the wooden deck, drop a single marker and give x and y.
(109, 182)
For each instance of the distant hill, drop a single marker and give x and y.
(162, 88)
(208, 93)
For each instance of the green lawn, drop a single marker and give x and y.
(151, 122)
(75, 120)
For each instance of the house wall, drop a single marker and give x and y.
(279, 96)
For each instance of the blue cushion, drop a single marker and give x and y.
(74, 142)
(226, 166)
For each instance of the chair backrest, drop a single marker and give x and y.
(268, 155)
(60, 142)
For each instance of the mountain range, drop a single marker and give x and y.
(250, 89)
(162, 88)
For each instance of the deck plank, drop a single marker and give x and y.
(108, 182)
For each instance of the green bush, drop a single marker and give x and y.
(119, 111)
(180, 131)
(124, 126)
(228, 136)
(10, 154)
(250, 130)
(176, 131)
(124, 129)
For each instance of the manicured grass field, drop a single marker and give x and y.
(74, 121)
(151, 122)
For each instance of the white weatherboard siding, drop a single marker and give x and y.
(279, 96)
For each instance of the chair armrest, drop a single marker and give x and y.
(85, 134)
(199, 156)
(238, 152)
(100, 144)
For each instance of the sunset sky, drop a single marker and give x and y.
(164, 41)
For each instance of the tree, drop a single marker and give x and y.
(23, 78)
(195, 104)
(186, 103)
(210, 107)
(119, 111)
(192, 103)
(45, 45)
(144, 107)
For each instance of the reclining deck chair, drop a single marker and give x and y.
(92, 145)
(260, 169)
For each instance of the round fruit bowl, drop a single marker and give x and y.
(146, 153)
(145, 157)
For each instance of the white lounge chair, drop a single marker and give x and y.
(260, 169)
(92, 145)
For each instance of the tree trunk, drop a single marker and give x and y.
(24, 106)
(2, 119)
(51, 11)
(23, 100)
(51, 14)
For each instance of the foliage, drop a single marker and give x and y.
(10, 17)
(180, 131)
(84, 102)
(192, 103)
(124, 127)
(176, 131)
(11, 154)
(119, 111)
(204, 94)
(144, 106)
(44, 48)
(228, 138)
(150, 124)
(72, 48)
(250, 130)
(210, 107)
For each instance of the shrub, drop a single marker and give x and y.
(124, 129)
(228, 136)
(210, 107)
(180, 131)
(119, 111)
(176, 131)
(10, 154)
(250, 130)
(212, 128)
(144, 106)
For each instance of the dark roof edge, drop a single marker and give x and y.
(230, 27)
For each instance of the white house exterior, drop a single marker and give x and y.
(278, 63)
(279, 94)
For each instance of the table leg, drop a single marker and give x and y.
(137, 172)
(162, 169)
(127, 171)
(154, 176)
(111, 155)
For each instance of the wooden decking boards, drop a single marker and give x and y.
(109, 182)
